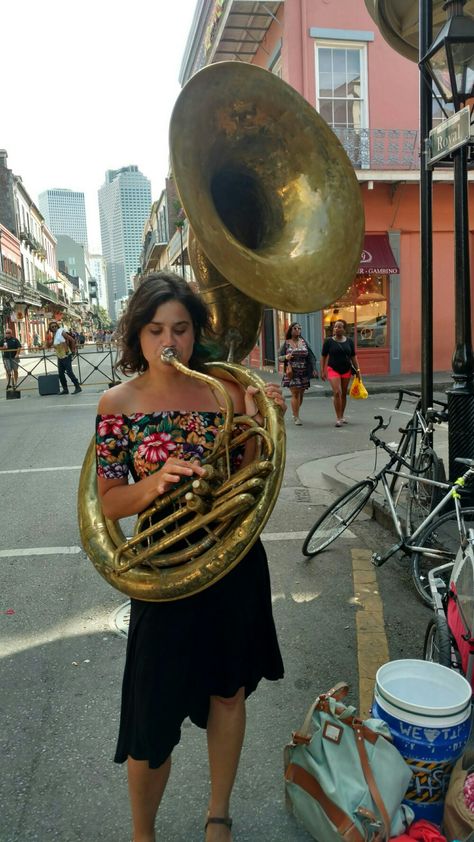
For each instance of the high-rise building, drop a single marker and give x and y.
(65, 214)
(124, 207)
(98, 273)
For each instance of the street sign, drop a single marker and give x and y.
(450, 134)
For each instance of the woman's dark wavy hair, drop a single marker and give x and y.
(154, 291)
(288, 332)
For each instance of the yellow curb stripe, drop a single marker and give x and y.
(372, 645)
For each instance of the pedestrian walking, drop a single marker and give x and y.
(299, 365)
(203, 655)
(64, 346)
(99, 340)
(11, 351)
(338, 363)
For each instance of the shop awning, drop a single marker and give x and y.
(377, 257)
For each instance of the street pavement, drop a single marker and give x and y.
(62, 654)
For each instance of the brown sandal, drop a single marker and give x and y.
(212, 820)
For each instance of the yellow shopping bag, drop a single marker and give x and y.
(358, 390)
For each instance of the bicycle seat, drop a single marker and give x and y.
(462, 461)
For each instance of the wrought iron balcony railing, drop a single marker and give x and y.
(381, 149)
(8, 283)
(46, 291)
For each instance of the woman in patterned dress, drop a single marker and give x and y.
(203, 655)
(299, 365)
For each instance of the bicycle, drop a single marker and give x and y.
(436, 534)
(417, 439)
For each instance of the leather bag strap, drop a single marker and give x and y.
(344, 824)
(337, 692)
(369, 777)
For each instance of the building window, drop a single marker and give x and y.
(364, 308)
(341, 95)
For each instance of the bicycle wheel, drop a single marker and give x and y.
(337, 517)
(442, 534)
(423, 498)
(437, 645)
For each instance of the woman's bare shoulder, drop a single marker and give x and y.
(116, 400)
(235, 391)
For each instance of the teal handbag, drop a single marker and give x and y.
(344, 778)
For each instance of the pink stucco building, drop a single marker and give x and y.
(333, 54)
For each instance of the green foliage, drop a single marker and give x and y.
(103, 316)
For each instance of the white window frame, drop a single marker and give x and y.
(277, 67)
(361, 46)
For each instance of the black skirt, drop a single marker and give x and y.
(181, 653)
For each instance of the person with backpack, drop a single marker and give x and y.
(64, 346)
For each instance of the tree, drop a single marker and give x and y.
(102, 318)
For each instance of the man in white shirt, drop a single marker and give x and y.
(64, 346)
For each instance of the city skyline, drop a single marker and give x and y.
(124, 78)
(65, 213)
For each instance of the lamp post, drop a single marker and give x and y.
(450, 63)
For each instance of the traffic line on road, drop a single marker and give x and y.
(40, 551)
(13, 553)
(372, 644)
(41, 470)
(284, 536)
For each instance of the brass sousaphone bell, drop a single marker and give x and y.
(398, 22)
(277, 218)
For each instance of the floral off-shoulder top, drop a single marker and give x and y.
(141, 443)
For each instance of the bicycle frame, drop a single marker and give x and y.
(407, 542)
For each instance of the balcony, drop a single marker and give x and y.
(27, 237)
(45, 292)
(152, 249)
(8, 283)
(381, 149)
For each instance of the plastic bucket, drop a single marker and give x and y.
(427, 708)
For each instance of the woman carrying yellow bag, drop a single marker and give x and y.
(338, 361)
(358, 390)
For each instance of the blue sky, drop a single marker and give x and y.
(91, 86)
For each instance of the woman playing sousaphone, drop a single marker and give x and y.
(203, 655)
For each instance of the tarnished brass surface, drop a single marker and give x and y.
(239, 507)
(236, 318)
(398, 22)
(267, 187)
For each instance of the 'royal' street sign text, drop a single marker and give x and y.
(450, 134)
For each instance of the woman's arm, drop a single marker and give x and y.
(119, 499)
(355, 363)
(283, 354)
(323, 367)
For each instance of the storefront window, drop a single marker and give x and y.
(365, 309)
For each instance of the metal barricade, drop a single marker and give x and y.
(90, 365)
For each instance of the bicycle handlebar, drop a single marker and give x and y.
(402, 393)
(379, 426)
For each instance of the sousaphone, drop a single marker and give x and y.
(277, 219)
(398, 22)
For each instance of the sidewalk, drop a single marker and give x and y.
(339, 473)
(375, 383)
